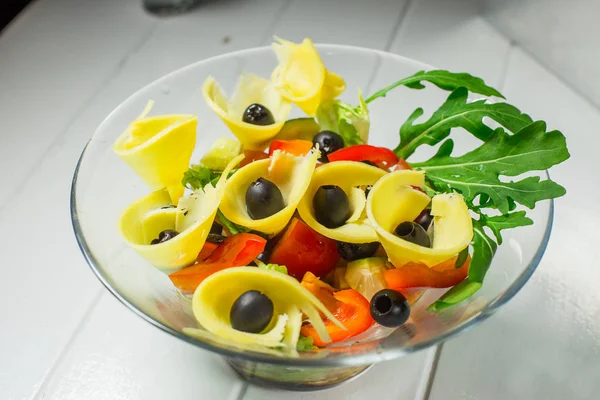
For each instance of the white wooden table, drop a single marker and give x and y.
(65, 64)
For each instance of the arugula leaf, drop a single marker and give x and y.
(351, 123)
(478, 172)
(304, 343)
(506, 221)
(457, 112)
(444, 80)
(233, 228)
(484, 249)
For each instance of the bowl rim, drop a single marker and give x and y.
(371, 357)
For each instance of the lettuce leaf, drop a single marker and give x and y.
(350, 122)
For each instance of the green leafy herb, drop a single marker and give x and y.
(519, 146)
(351, 123)
(305, 344)
(507, 221)
(199, 176)
(273, 267)
(457, 112)
(233, 229)
(478, 172)
(462, 258)
(442, 79)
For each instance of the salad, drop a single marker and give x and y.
(296, 233)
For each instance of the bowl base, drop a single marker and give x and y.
(294, 378)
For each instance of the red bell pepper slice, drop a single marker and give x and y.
(235, 251)
(402, 164)
(321, 290)
(301, 249)
(294, 147)
(414, 275)
(381, 156)
(206, 251)
(352, 310)
(251, 156)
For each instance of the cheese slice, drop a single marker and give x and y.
(394, 200)
(250, 89)
(141, 222)
(291, 174)
(301, 76)
(348, 175)
(159, 149)
(214, 297)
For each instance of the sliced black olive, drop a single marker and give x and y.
(331, 205)
(263, 199)
(424, 219)
(328, 143)
(215, 238)
(389, 308)
(368, 189)
(369, 162)
(257, 114)
(216, 229)
(165, 235)
(356, 251)
(414, 233)
(251, 312)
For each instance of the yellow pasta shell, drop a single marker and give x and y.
(347, 175)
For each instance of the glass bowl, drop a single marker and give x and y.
(103, 186)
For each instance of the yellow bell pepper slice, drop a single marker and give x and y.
(392, 200)
(145, 218)
(347, 175)
(159, 149)
(250, 89)
(290, 173)
(301, 76)
(214, 297)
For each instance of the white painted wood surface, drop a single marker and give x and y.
(65, 64)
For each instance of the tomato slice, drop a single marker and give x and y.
(294, 147)
(235, 251)
(352, 310)
(301, 249)
(381, 156)
(414, 275)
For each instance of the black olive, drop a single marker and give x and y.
(424, 219)
(368, 190)
(165, 235)
(267, 251)
(215, 238)
(328, 143)
(257, 114)
(216, 229)
(356, 251)
(369, 162)
(263, 199)
(389, 308)
(251, 312)
(414, 233)
(331, 205)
